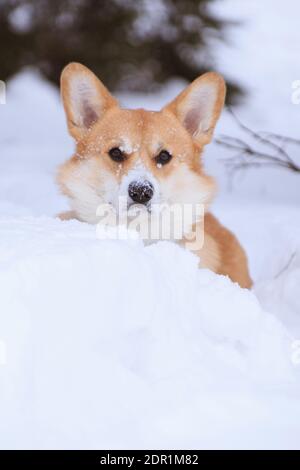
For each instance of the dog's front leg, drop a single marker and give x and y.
(67, 215)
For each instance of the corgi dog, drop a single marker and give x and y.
(148, 157)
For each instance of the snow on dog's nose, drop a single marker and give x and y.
(141, 191)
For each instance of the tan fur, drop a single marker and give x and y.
(67, 215)
(183, 127)
(223, 253)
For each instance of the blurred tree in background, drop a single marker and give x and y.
(133, 45)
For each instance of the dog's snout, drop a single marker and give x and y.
(141, 191)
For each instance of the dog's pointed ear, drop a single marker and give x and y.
(85, 99)
(198, 107)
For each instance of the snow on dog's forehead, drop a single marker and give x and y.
(127, 146)
(137, 125)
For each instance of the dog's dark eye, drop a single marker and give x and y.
(163, 157)
(116, 154)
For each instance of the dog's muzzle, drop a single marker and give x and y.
(141, 192)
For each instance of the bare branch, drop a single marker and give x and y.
(286, 267)
(246, 155)
(283, 138)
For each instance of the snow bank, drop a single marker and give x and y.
(111, 344)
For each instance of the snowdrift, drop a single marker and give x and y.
(113, 344)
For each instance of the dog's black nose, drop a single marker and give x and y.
(141, 191)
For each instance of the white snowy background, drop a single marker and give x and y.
(110, 344)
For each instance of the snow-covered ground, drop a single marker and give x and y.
(110, 344)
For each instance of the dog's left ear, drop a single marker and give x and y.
(198, 107)
(85, 99)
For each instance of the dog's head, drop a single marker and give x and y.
(148, 157)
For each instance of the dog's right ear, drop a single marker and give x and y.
(85, 99)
